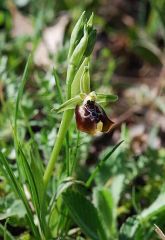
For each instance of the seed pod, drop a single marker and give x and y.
(91, 118)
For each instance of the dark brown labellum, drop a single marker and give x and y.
(91, 118)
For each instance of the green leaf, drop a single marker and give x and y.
(29, 177)
(148, 51)
(84, 214)
(129, 229)
(15, 209)
(159, 7)
(32, 183)
(16, 185)
(65, 184)
(157, 207)
(99, 165)
(107, 210)
(20, 92)
(117, 187)
(70, 104)
(36, 165)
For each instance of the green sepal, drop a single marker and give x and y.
(85, 81)
(92, 36)
(90, 21)
(75, 33)
(78, 52)
(91, 42)
(75, 88)
(82, 95)
(69, 104)
(105, 98)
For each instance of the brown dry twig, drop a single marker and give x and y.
(159, 232)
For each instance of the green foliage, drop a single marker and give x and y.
(133, 227)
(105, 205)
(101, 163)
(20, 93)
(6, 234)
(7, 172)
(84, 214)
(114, 195)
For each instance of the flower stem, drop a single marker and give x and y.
(67, 117)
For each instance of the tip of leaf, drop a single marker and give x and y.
(90, 21)
(82, 17)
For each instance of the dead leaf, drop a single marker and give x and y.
(41, 56)
(51, 43)
(22, 26)
(53, 36)
(159, 232)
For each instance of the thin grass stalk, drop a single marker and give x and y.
(100, 164)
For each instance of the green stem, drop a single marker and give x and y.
(67, 117)
(70, 76)
(67, 152)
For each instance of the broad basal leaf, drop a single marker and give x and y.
(84, 214)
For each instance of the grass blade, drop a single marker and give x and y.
(35, 192)
(59, 89)
(7, 171)
(99, 165)
(20, 92)
(5, 233)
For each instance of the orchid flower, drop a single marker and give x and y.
(90, 116)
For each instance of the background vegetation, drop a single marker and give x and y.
(126, 196)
